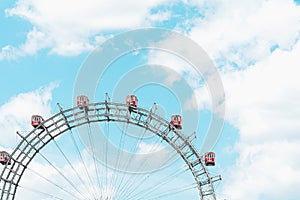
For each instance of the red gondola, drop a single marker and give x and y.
(5, 158)
(82, 101)
(36, 120)
(132, 100)
(176, 121)
(209, 158)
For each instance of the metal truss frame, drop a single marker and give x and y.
(68, 119)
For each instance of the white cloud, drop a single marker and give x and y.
(244, 32)
(16, 113)
(191, 64)
(71, 27)
(266, 93)
(177, 69)
(160, 16)
(176, 64)
(152, 157)
(35, 41)
(145, 148)
(263, 104)
(9, 52)
(262, 98)
(202, 97)
(265, 171)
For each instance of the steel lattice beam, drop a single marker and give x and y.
(66, 120)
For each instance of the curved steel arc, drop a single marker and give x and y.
(65, 120)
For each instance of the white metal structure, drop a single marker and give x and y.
(66, 120)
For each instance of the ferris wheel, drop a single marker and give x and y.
(177, 169)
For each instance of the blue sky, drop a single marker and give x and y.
(254, 45)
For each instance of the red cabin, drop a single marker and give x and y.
(132, 100)
(209, 158)
(82, 101)
(36, 120)
(176, 121)
(4, 158)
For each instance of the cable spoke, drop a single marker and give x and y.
(82, 160)
(94, 158)
(41, 193)
(55, 184)
(156, 185)
(133, 150)
(171, 192)
(61, 174)
(71, 165)
(120, 147)
(130, 182)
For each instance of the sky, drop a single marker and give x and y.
(254, 46)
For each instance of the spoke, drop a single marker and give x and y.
(71, 165)
(171, 192)
(130, 182)
(120, 147)
(61, 174)
(135, 185)
(94, 158)
(164, 181)
(41, 193)
(133, 150)
(106, 156)
(53, 183)
(82, 160)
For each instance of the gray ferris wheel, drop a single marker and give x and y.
(65, 157)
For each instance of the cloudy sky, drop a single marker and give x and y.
(253, 44)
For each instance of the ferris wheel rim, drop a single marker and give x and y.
(64, 121)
